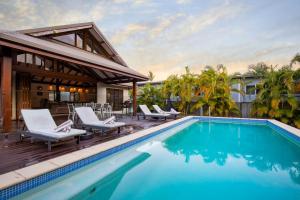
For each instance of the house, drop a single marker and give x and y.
(243, 101)
(59, 64)
(249, 88)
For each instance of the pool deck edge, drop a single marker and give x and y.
(23, 174)
(20, 175)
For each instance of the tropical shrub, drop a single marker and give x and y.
(182, 87)
(213, 90)
(275, 98)
(150, 95)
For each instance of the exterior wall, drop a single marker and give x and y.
(250, 98)
(236, 96)
(101, 92)
(126, 95)
(37, 98)
(239, 98)
(245, 109)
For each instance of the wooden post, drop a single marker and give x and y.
(6, 73)
(84, 40)
(134, 105)
(57, 91)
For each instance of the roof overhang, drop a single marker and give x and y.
(19, 41)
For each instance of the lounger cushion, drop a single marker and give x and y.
(159, 110)
(38, 119)
(147, 112)
(89, 118)
(87, 115)
(58, 135)
(102, 125)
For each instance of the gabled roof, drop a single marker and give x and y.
(46, 31)
(29, 39)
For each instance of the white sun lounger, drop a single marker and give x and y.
(89, 119)
(147, 113)
(40, 125)
(159, 110)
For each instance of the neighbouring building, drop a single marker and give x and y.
(243, 101)
(48, 67)
(249, 88)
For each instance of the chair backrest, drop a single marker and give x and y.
(145, 109)
(91, 104)
(97, 106)
(38, 119)
(158, 109)
(86, 115)
(76, 105)
(70, 107)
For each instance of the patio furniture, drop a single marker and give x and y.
(40, 125)
(106, 110)
(172, 112)
(76, 105)
(90, 120)
(71, 111)
(147, 113)
(91, 104)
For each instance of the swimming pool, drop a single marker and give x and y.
(200, 158)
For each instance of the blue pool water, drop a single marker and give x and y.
(205, 160)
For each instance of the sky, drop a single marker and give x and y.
(164, 36)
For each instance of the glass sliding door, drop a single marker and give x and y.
(115, 98)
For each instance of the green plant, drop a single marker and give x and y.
(182, 87)
(275, 98)
(213, 90)
(150, 95)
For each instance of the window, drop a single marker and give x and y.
(79, 41)
(64, 96)
(88, 48)
(39, 61)
(68, 39)
(48, 65)
(21, 58)
(250, 89)
(51, 96)
(97, 50)
(29, 59)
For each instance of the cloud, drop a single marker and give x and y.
(163, 24)
(128, 31)
(195, 23)
(183, 1)
(149, 31)
(21, 14)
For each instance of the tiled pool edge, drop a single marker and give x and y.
(54, 168)
(23, 183)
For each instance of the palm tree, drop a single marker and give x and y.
(151, 76)
(170, 87)
(213, 90)
(186, 92)
(182, 87)
(259, 70)
(296, 59)
(150, 95)
(275, 98)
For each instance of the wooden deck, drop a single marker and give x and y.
(15, 154)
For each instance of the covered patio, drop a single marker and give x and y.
(49, 67)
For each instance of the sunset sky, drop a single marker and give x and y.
(164, 36)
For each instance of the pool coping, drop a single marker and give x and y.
(20, 175)
(31, 172)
